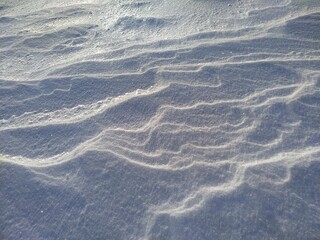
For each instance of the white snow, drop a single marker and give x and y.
(180, 119)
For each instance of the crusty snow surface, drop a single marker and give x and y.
(160, 119)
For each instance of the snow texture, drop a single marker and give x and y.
(160, 119)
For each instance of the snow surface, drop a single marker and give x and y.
(160, 119)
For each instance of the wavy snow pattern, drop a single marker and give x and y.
(128, 120)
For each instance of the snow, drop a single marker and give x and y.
(193, 119)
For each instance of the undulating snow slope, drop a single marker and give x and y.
(160, 119)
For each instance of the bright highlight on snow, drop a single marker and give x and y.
(161, 119)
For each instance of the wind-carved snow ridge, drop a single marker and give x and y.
(68, 115)
(160, 119)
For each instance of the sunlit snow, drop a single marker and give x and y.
(160, 119)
